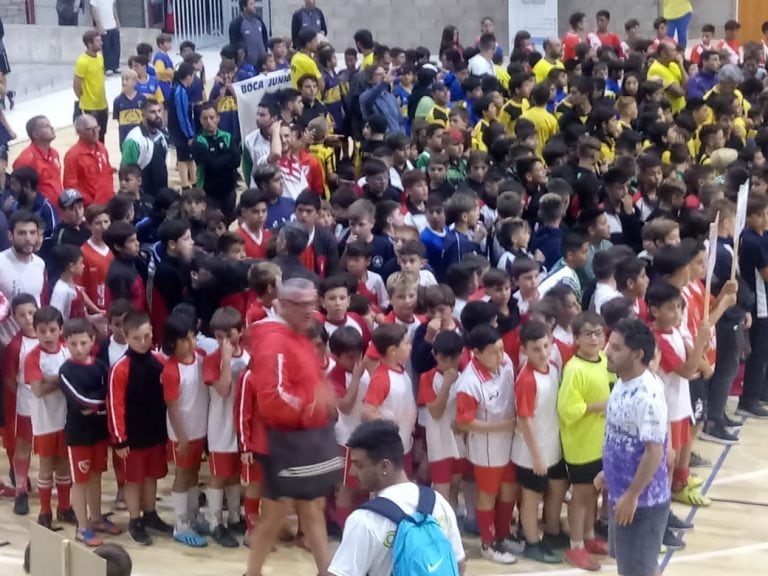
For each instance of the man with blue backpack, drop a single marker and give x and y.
(407, 530)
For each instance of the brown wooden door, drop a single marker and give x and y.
(752, 14)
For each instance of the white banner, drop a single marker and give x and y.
(250, 92)
(711, 259)
(741, 210)
(538, 17)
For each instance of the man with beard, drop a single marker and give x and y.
(146, 145)
(42, 157)
(21, 270)
(263, 146)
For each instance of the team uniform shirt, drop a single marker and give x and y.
(391, 392)
(693, 315)
(257, 311)
(302, 65)
(127, 112)
(68, 299)
(570, 41)
(584, 382)
(18, 277)
(49, 412)
(85, 389)
(545, 123)
(350, 319)
(511, 111)
(341, 378)
(366, 545)
(733, 49)
(442, 443)
(636, 414)
(255, 243)
(673, 355)
(115, 350)
(482, 395)
(753, 257)
(221, 409)
(90, 69)
(14, 358)
(374, 289)
(48, 168)
(543, 67)
(295, 175)
(150, 89)
(536, 398)
(698, 49)
(608, 39)
(256, 151)
(183, 383)
(670, 74)
(604, 292)
(96, 260)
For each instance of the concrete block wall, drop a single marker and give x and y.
(13, 12)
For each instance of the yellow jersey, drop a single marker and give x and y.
(367, 61)
(545, 123)
(90, 69)
(438, 115)
(510, 112)
(302, 65)
(543, 67)
(668, 75)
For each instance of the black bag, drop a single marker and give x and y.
(302, 464)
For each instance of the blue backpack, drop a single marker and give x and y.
(420, 548)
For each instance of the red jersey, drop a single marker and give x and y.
(255, 242)
(570, 40)
(251, 434)
(48, 168)
(94, 279)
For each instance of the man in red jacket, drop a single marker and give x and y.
(291, 395)
(42, 157)
(86, 164)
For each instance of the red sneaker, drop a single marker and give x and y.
(580, 559)
(597, 546)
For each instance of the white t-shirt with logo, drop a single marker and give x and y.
(366, 546)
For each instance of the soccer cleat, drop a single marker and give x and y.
(675, 523)
(189, 537)
(512, 545)
(695, 481)
(672, 541)
(153, 522)
(88, 537)
(138, 532)
(497, 554)
(223, 538)
(691, 497)
(45, 520)
(106, 526)
(596, 546)
(21, 504)
(580, 559)
(539, 552)
(67, 516)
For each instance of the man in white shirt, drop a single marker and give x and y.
(482, 64)
(366, 547)
(104, 13)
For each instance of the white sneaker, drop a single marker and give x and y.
(512, 546)
(495, 553)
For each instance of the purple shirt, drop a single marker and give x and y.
(636, 414)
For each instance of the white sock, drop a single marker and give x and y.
(193, 503)
(180, 502)
(215, 503)
(233, 503)
(577, 545)
(470, 499)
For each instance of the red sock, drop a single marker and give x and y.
(63, 486)
(679, 478)
(485, 523)
(503, 518)
(21, 471)
(45, 489)
(118, 465)
(251, 506)
(342, 513)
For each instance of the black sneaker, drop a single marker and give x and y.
(238, 527)
(138, 532)
(12, 476)
(67, 516)
(718, 434)
(753, 410)
(558, 541)
(601, 528)
(334, 530)
(21, 504)
(45, 520)
(153, 522)
(729, 422)
(539, 552)
(11, 95)
(222, 537)
(675, 523)
(698, 461)
(672, 541)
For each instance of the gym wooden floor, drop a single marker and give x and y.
(731, 537)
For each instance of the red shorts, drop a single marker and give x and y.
(9, 414)
(490, 478)
(51, 445)
(349, 479)
(24, 428)
(144, 463)
(224, 464)
(680, 432)
(252, 473)
(86, 459)
(443, 471)
(192, 457)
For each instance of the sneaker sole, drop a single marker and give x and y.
(717, 440)
(747, 414)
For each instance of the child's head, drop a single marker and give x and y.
(80, 337)
(334, 296)
(487, 347)
(415, 186)
(514, 234)
(532, 171)
(698, 253)
(462, 279)
(346, 345)
(129, 78)
(164, 42)
(98, 220)
(193, 203)
(402, 288)
(674, 265)
(595, 222)
(388, 216)
(509, 204)
(23, 308)
(307, 209)
(410, 256)
(231, 246)
(551, 209)
(215, 222)
(604, 265)
(120, 208)
(176, 237)
(461, 209)
(660, 233)
(439, 301)
(72, 207)
(497, 286)
(617, 309)
(227, 324)
(479, 313)
(525, 273)
(478, 165)
(357, 257)
(665, 304)
(672, 195)
(138, 331)
(116, 315)
(68, 260)
(253, 208)
(575, 249)
(757, 213)
(392, 343)
(447, 349)
(362, 215)
(631, 277)
(535, 343)
(589, 334)
(47, 322)
(435, 213)
(265, 278)
(569, 303)
(179, 336)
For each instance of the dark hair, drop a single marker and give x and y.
(480, 337)
(572, 240)
(637, 336)
(332, 283)
(476, 313)
(387, 335)
(252, 197)
(227, 240)
(616, 309)
(308, 198)
(78, 326)
(172, 230)
(585, 318)
(438, 295)
(604, 265)
(47, 315)
(448, 343)
(184, 70)
(21, 299)
(661, 292)
(533, 330)
(65, 255)
(459, 277)
(576, 18)
(26, 175)
(380, 440)
(540, 94)
(358, 249)
(627, 269)
(24, 217)
(345, 339)
(120, 307)
(668, 261)
(495, 278)
(119, 207)
(118, 234)
(523, 266)
(226, 318)
(134, 320)
(177, 327)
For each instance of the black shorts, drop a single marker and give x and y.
(584, 473)
(183, 149)
(530, 481)
(699, 389)
(5, 66)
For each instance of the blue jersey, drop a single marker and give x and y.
(226, 105)
(161, 56)
(244, 72)
(403, 95)
(127, 112)
(149, 88)
(332, 96)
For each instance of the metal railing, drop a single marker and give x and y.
(206, 22)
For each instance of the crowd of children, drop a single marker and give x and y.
(473, 239)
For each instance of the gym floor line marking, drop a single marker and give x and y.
(739, 477)
(739, 502)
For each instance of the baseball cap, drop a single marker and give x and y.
(732, 25)
(69, 197)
